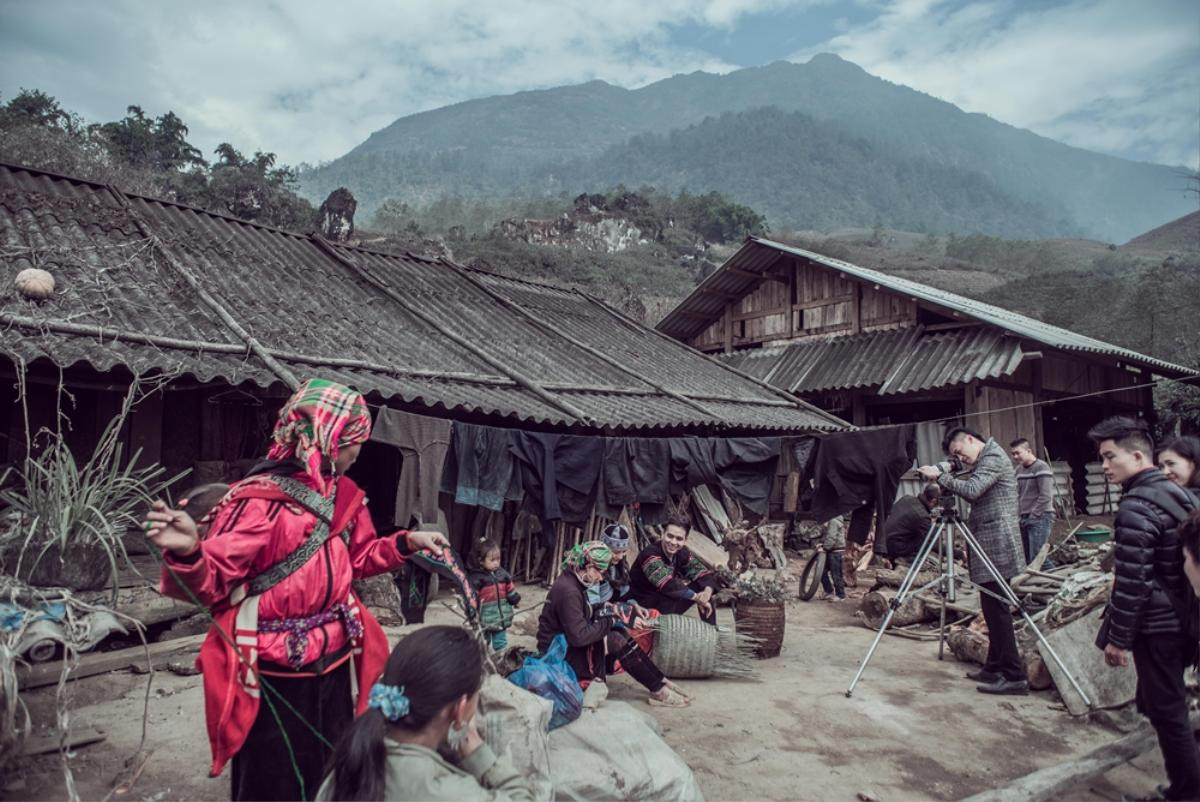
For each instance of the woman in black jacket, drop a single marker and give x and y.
(596, 639)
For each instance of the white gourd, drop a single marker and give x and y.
(35, 284)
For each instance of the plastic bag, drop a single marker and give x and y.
(551, 678)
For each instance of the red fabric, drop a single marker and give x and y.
(494, 592)
(257, 526)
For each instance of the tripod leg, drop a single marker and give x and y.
(945, 591)
(931, 537)
(1012, 599)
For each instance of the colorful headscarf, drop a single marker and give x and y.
(593, 552)
(319, 419)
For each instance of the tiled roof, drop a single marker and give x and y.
(739, 274)
(158, 287)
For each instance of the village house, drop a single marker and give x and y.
(225, 315)
(877, 349)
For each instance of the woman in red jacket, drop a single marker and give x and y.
(290, 646)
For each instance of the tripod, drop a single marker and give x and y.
(942, 530)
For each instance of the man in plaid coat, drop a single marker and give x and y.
(990, 485)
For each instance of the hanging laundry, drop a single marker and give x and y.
(853, 469)
(479, 467)
(423, 442)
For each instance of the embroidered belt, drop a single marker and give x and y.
(297, 629)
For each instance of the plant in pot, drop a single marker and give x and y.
(759, 611)
(62, 521)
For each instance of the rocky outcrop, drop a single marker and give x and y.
(336, 215)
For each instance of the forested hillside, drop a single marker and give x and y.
(540, 142)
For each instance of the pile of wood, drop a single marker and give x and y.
(1102, 495)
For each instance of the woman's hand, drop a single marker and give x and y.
(427, 540)
(171, 530)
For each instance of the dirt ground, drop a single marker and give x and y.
(914, 729)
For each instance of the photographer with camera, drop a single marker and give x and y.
(990, 485)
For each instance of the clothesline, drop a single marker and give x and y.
(1031, 405)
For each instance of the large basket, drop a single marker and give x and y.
(686, 647)
(763, 621)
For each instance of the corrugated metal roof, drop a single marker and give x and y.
(892, 362)
(743, 271)
(131, 273)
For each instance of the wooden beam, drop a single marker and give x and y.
(836, 299)
(103, 662)
(728, 328)
(779, 310)
(1056, 781)
(856, 310)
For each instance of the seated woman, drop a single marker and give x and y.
(666, 577)
(596, 639)
(425, 700)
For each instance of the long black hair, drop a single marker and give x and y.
(436, 666)
(1188, 447)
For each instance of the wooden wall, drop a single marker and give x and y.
(990, 411)
(802, 300)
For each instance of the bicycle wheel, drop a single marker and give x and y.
(810, 579)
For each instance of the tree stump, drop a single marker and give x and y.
(381, 597)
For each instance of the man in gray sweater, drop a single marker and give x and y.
(1035, 497)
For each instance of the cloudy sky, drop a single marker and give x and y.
(309, 79)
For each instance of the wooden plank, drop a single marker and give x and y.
(104, 662)
(40, 743)
(1056, 781)
(1074, 643)
(706, 550)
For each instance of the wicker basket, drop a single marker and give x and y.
(763, 621)
(686, 647)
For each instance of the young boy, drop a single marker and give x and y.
(833, 543)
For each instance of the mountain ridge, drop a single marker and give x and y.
(513, 144)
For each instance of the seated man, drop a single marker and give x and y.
(906, 528)
(666, 577)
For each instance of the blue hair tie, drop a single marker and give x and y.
(389, 700)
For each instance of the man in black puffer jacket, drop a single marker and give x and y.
(1148, 611)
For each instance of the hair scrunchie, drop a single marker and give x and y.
(389, 700)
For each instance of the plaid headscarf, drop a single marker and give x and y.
(319, 419)
(593, 552)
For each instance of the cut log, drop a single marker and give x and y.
(1056, 781)
(382, 598)
(875, 607)
(892, 578)
(144, 604)
(103, 662)
(967, 645)
(40, 743)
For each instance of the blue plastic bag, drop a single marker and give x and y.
(550, 677)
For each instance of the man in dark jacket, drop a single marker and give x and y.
(666, 577)
(905, 529)
(1147, 612)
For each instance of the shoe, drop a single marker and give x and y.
(984, 676)
(1005, 687)
(836, 599)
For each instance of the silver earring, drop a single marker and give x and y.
(456, 736)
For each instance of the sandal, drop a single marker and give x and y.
(672, 698)
(670, 684)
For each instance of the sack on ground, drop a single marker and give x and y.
(551, 678)
(515, 721)
(616, 752)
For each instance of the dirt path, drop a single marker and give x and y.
(915, 728)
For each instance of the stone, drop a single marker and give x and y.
(336, 215)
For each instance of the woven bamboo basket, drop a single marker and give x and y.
(686, 647)
(763, 621)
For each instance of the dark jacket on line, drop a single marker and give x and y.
(1149, 563)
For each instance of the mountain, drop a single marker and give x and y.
(544, 141)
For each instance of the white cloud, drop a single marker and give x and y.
(1107, 75)
(311, 79)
